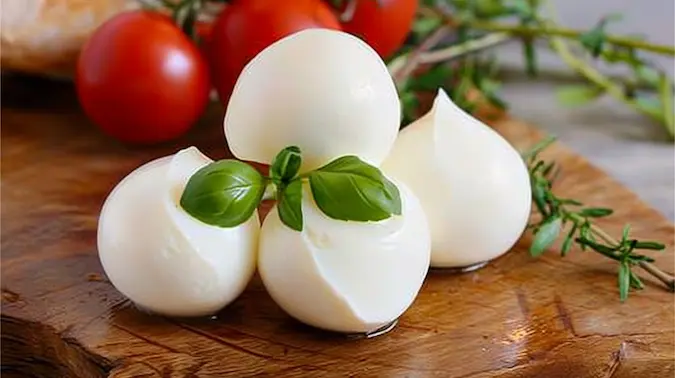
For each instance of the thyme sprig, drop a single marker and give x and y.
(570, 220)
(482, 24)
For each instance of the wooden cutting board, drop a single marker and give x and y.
(517, 317)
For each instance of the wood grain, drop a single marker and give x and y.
(517, 317)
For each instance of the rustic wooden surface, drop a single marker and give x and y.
(517, 317)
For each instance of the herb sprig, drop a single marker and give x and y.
(227, 192)
(481, 24)
(570, 220)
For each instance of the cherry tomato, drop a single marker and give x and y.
(383, 24)
(141, 79)
(245, 27)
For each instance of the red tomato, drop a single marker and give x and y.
(383, 24)
(246, 27)
(141, 79)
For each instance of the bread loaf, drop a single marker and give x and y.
(45, 36)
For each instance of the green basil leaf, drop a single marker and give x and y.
(286, 164)
(290, 205)
(624, 280)
(574, 95)
(350, 189)
(224, 193)
(545, 236)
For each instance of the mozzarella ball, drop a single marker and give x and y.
(163, 259)
(351, 277)
(322, 90)
(472, 183)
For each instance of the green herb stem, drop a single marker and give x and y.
(650, 268)
(460, 50)
(598, 79)
(404, 67)
(541, 31)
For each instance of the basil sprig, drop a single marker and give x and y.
(286, 165)
(226, 193)
(284, 174)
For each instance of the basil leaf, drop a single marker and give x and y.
(224, 193)
(286, 164)
(350, 189)
(290, 205)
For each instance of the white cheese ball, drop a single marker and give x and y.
(159, 256)
(472, 183)
(351, 277)
(325, 91)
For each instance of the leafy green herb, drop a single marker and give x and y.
(350, 189)
(555, 212)
(286, 164)
(595, 212)
(290, 205)
(482, 24)
(224, 193)
(624, 280)
(545, 235)
(594, 39)
(227, 192)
